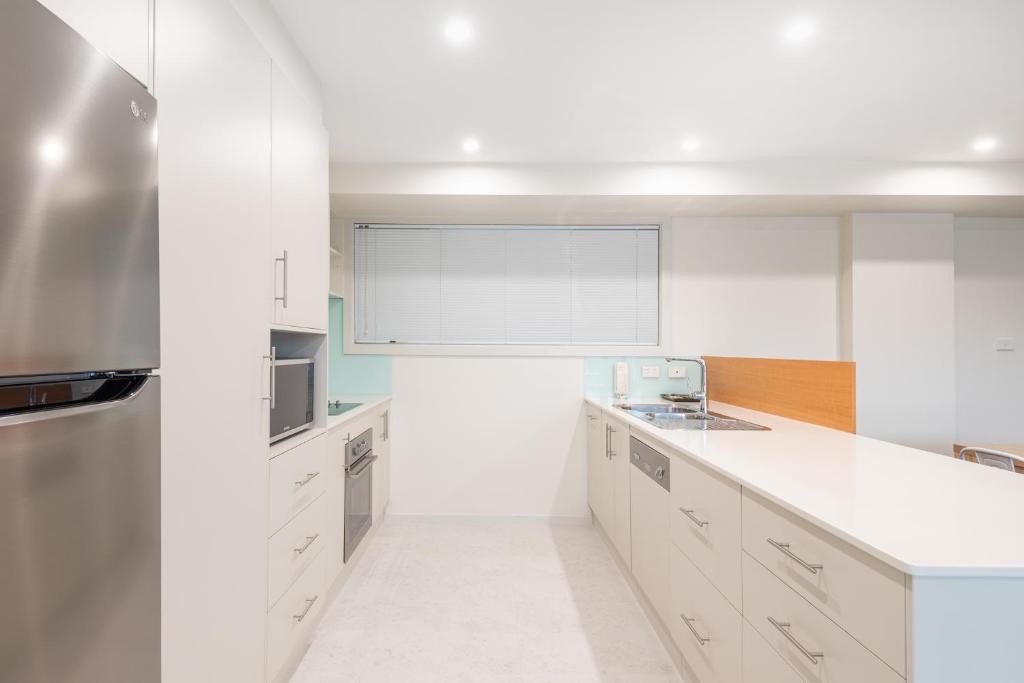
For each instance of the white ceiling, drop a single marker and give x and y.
(627, 80)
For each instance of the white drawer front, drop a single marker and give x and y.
(862, 595)
(294, 548)
(707, 629)
(805, 638)
(297, 478)
(290, 623)
(762, 664)
(706, 524)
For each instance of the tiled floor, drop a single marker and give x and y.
(503, 602)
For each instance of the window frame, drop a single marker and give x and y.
(347, 229)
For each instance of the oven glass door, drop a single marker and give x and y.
(358, 502)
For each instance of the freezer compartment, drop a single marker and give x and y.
(80, 532)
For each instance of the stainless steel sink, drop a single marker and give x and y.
(668, 416)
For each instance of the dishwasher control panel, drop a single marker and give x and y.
(649, 461)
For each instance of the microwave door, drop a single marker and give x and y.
(293, 407)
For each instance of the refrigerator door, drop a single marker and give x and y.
(80, 540)
(78, 204)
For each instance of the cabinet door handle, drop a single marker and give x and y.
(783, 628)
(386, 425)
(309, 606)
(273, 375)
(310, 540)
(309, 477)
(284, 290)
(611, 453)
(689, 623)
(784, 549)
(693, 518)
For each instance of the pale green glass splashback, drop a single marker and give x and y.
(352, 374)
(598, 377)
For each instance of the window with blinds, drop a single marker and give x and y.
(529, 285)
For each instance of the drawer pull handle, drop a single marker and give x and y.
(783, 628)
(693, 518)
(309, 477)
(689, 622)
(310, 540)
(784, 549)
(309, 606)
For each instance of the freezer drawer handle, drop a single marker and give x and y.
(309, 606)
(310, 540)
(784, 549)
(703, 640)
(309, 477)
(693, 518)
(783, 628)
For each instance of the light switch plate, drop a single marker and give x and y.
(1005, 344)
(650, 371)
(677, 371)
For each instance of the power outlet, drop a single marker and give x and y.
(1005, 344)
(650, 371)
(677, 371)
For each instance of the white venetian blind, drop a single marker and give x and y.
(534, 285)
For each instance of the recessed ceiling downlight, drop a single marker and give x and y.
(471, 145)
(799, 31)
(690, 144)
(985, 144)
(458, 31)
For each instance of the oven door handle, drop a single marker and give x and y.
(366, 462)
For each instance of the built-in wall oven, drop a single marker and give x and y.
(359, 459)
(291, 396)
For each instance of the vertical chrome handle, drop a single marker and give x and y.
(273, 376)
(693, 518)
(386, 425)
(309, 606)
(284, 290)
(783, 628)
(310, 540)
(607, 441)
(611, 453)
(689, 622)
(309, 477)
(784, 549)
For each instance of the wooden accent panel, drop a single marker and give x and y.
(820, 392)
(1015, 449)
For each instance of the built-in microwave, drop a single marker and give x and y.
(291, 391)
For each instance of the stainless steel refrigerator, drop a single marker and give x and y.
(79, 339)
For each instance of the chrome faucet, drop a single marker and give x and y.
(703, 393)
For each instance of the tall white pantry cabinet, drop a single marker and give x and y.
(243, 168)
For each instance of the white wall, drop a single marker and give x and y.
(989, 304)
(902, 332)
(488, 436)
(761, 287)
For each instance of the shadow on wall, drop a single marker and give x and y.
(352, 374)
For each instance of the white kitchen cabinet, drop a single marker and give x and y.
(117, 28)
(618, 462)
(334, 552)
(300, 209)
(600, 485)
(214, 167)
(707, 629)
(381, 468)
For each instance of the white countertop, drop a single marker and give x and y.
(923, 513)
(369, 402)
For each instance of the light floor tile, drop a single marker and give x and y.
(485, 602)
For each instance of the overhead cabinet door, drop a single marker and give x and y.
(300, 209)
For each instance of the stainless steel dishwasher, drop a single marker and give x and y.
(649, 481)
